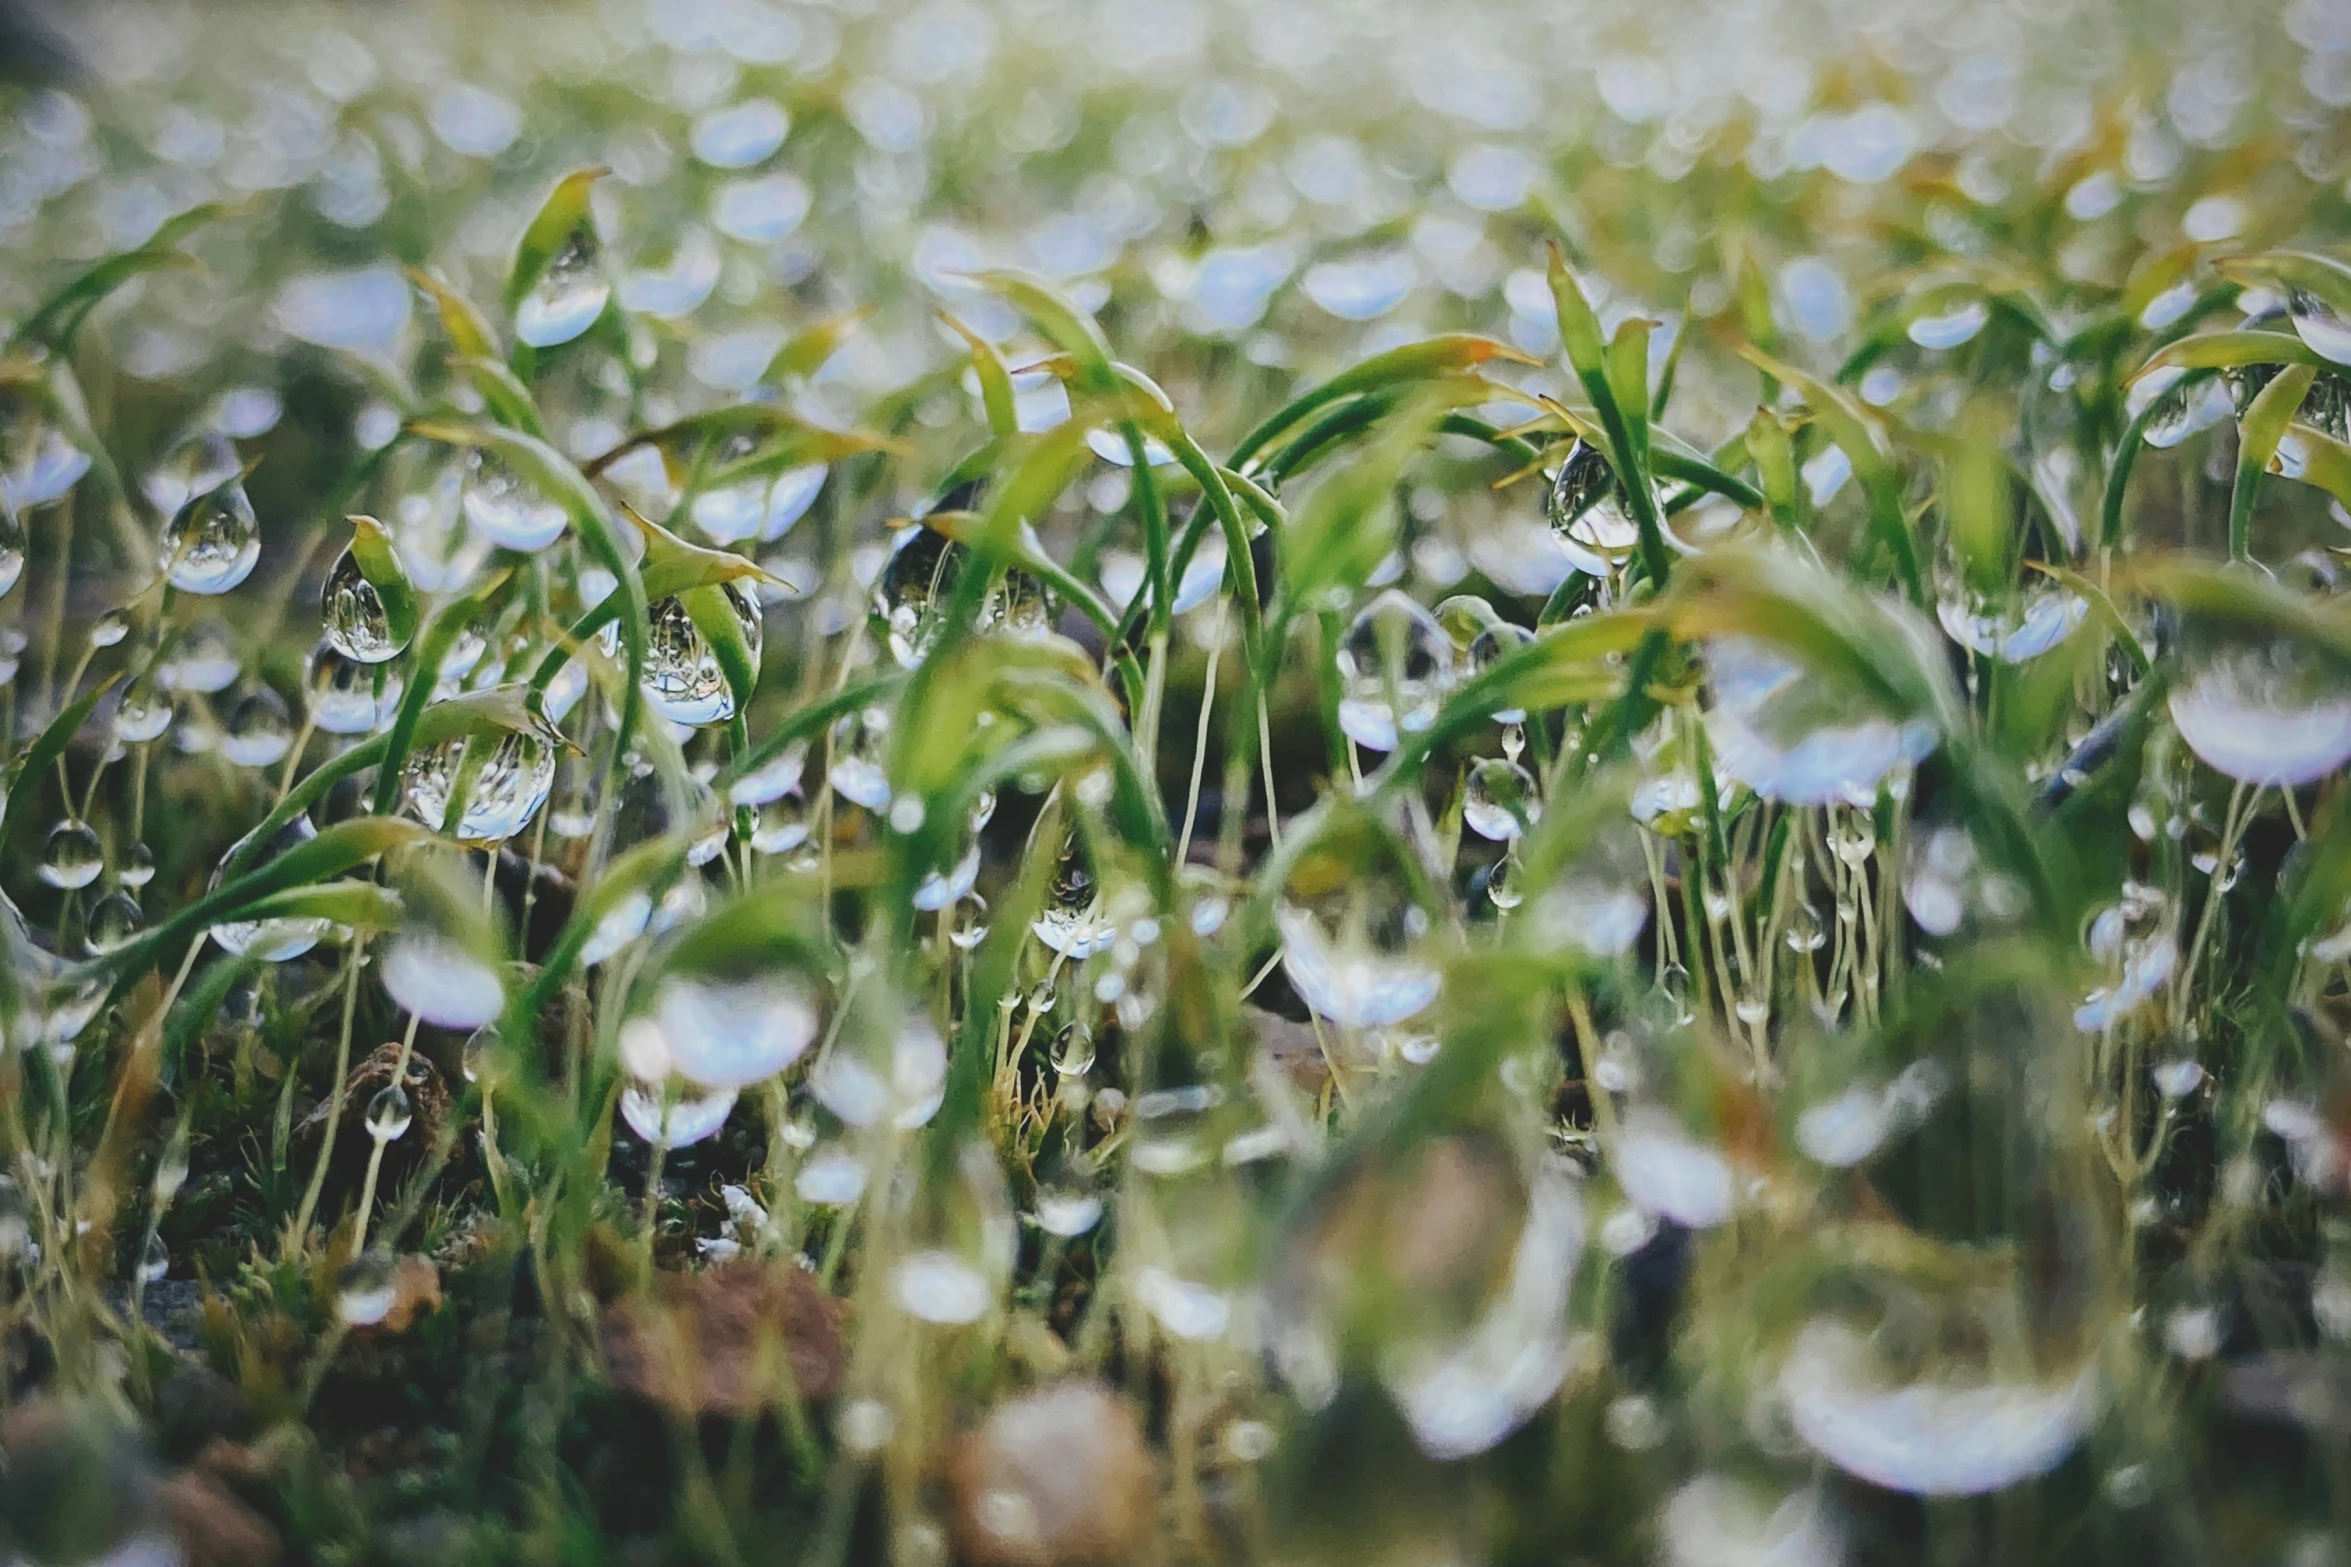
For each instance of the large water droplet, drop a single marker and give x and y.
(73, 857)
(354, 615)
(212, 543)
(1588, 513)
(2275, 714)
(683, 678)
(440, 981)
(568, 296)
(1498, 801)
(1950, 328)
(2322, 330)
(143, 713)
(1357, 939)
(365, 1290)
(938, 1286)
(1395, 664)
(114, 920)
(270, 941)
(501, 796)
(388, 1114)
(1948, 1436)
(677, 1122)
(12, 545)
(259, 731)
(1671, 1173)
(1791, 735)
(349, 698)
(861, 750)
(731, 1033)
(203, 661)
(38, 464)
(2011, 627)
(507, 509)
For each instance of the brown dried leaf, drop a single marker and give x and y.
(732, 1340)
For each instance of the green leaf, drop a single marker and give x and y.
(2295, 271)
(1067, 327)
(2257, 443)
(1864, 442)
(57, 319)
(2228, 351)
(1399, 368)
(431, 649)
(995, 381)
(563, 214)
(28, 770)
(469, 330)
(379, 563)
(805, 352)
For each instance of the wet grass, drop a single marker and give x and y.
(1580, 886)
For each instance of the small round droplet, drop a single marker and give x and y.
(388, 1114)
(138, 867)
(73, 856)
(259, 731)
(365, 1291)
(154, 1260)
(109, 629)
(114, 920)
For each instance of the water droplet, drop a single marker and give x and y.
(476, 1058)
(2011, 627)
(270, 941)
(114, 920)
(1791, 735)
(1950, 328)
(344, 694)
(502, 794)
(1587, 511)
(675, 1122)
(144, 712)
(506, 508)
(365, 1290)
(1499, 800)
(38, 463)
(2275, 715)
(72, 857)
(898, 1077)
(1072, 922)
(12, 547)
(684, 680)
(213, 542)
(204, 661)
(2322, 330)
(441, 981)
(939, 1286)
(388, 1114)
(2180, 1078)
(154, 1260)
(861, 748)
(109, 629)
(1358, 939)
(1671, 1173)
(567, 298)
(1715, 1521)
(731, 1033)
(259, 731)
(356, 622)
(1395, 665)
(1488, 648)
(1939, 1437)
(833, 1177)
